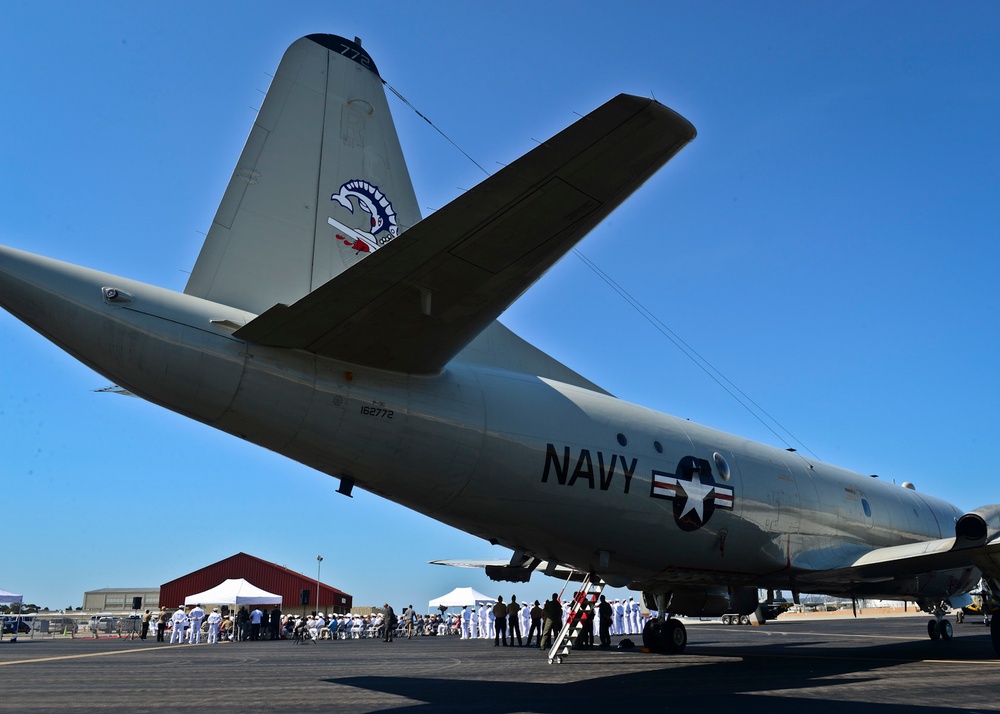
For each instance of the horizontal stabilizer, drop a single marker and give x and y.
(115, 389)
(502, 571)
(415, 303)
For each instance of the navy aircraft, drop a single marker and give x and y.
(327, 321)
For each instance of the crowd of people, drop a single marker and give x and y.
(503, 622)
(192, 624)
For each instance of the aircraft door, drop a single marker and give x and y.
(773, 490)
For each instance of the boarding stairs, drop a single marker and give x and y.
(584, 601)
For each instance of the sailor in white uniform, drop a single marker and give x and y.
(484, 628)
(213, 626)
(633, 614)
(195, 617)
(179, 620)
(466, 622)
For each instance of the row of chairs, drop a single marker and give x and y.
(353, 629)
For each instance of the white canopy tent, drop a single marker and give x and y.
(235, 591)
(460, 597)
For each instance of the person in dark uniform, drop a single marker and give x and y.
(606, 613)
(275, 622)
(552, 612)
(242, 623)
(500, 622)
(587, 633)
(514, 621)
(161, 624)
(536, 624)
(390, 622)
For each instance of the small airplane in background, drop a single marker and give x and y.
(327, 321)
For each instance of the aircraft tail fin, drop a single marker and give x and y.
(321, 182)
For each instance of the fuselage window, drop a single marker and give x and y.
(658, 446)
(622, 440)
(868, 509)
(721, 465)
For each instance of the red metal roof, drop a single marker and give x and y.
(268, 576)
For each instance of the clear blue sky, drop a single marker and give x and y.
(829, 242)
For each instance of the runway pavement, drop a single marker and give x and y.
(883, 665)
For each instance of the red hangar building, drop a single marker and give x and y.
(297, 591)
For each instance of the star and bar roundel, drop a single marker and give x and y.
(694, 492)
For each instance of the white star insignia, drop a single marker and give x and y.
(697, 493)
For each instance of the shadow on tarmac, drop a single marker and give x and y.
(799, 677)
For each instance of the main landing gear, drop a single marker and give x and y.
(940, 627)
(665, 637)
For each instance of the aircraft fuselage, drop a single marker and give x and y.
(522, 461)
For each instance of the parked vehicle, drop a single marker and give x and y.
(103, 623)
(21, 622)
(63, 624)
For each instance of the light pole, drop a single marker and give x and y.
(319, 562)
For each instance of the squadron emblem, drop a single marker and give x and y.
(382, 218)
(694, 492)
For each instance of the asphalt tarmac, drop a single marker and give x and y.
(883, 665)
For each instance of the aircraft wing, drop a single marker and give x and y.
(883, 564)
(415, 303)
(507, 571)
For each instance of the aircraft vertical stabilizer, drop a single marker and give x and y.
(321, 182)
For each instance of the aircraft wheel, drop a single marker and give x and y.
(995, 635)
(676, 639)
(725, 619)
(744, 620)
(945, 630)
(651, 635)
(932, 630)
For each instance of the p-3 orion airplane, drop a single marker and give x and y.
(327, 321)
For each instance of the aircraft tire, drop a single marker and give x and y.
(744, 620)
(995, 635)
(668, 637)
(932, 630)
(651, 635)
(676, 636)
(945, 630)
(725, 619)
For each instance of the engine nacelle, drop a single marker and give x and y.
(977, 527)
(709, 602)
